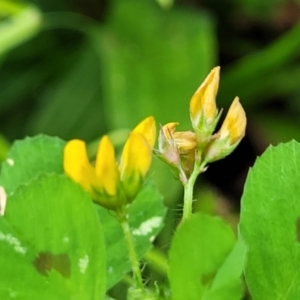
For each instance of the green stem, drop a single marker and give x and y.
(189, 189)
(122, 217)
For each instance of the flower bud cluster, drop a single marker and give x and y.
(182, 149)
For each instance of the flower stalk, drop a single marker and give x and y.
(189, 190)
(123, 220)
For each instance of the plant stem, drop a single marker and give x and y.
(189, 190)
(122, 217)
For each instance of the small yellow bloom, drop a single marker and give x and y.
(135, 162)
(234, 125)
(177, 149)
(184, 140)
(231, 133)
(167, 148)
(110, 185)
(203, 108)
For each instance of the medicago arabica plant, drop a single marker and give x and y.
(71, 228)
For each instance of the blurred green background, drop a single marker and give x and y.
(82, 68)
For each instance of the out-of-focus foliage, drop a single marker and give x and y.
(89, 77)
(66, 73)
(23, 24)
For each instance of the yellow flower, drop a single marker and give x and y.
(185, 140)
(234, 125)
(203, 108)
(177, 149)
(231, 133)
(167, 148)
(135, 162)
(109, 184)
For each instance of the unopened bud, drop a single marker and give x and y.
(229, 136)
(177, 149)
(203, 108)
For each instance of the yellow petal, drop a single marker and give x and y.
(136, 155)
(235, 122)
(168, 129)
(77, 165)
(147, 128)
(106, 167)
(135, 162)
(203, 102)
(185, 141)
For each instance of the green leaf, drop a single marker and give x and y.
(269, 224)
(146, 215)
(51, 243)
(228, 284)
(29, 158)
(199, 248)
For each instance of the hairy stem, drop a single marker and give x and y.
(122, 217)
(189, 190)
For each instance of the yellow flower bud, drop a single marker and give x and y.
(234, 125)
(177, 149)
(167, 148)
(203, 109)
(185, 140)
(229, 136)
(135, 163)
